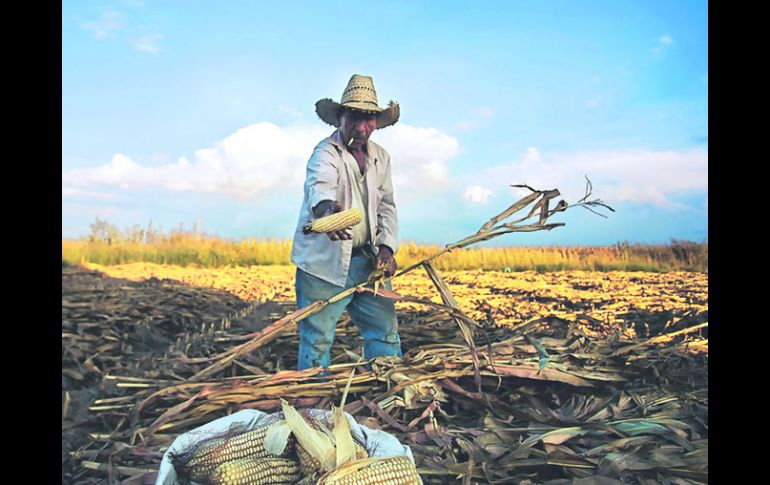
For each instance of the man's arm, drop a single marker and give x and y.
(321, 178)
(321, 183)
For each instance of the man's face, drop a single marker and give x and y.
(357, 125)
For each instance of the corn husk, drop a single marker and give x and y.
(315, 442)
(277, 438)
(345, 446)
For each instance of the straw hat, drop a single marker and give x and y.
(361, 96)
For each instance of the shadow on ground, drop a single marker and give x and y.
(114, 326)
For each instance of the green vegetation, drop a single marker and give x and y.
(108, 245)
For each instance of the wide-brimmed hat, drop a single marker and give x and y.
(358, 95)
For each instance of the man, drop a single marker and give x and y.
(347, 170)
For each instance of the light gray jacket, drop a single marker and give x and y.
(328, 178)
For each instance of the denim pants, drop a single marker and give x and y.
(375, 317)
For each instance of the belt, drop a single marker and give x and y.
(359, 251)
(365, 250)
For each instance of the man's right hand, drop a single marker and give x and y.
(327, 208)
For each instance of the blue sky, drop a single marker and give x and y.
(203, 112)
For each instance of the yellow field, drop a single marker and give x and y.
(212, 252)
(627, 303)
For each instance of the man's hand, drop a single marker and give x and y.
(386, 260)
(327, 208)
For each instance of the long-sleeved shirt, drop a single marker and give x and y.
(361, 233)
(329, 177)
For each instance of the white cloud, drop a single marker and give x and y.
(73, 192)
(107, 23)
(149, 43)
(634, 193)
(666, 40)
(246, 164)
(420, 155)
(91, 211)
(265, 158)
(476, 193)
(628, 175)
(159, 158)
(532, 156)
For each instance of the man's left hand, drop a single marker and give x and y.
(386, 260)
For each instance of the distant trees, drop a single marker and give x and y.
(103, 231)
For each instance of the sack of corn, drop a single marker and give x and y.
(305, 446)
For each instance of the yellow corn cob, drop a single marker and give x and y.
(309, 464)
(396, 470)
(259, 471)
(250, 444)
(336, 222)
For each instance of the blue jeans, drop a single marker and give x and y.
(375, 317)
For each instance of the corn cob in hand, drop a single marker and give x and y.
(335, 222)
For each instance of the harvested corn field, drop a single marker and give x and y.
(570, 375)
(633, 303)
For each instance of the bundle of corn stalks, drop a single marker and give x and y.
(540, 400)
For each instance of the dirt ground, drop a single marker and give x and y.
(159, 302)
(633, 303)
